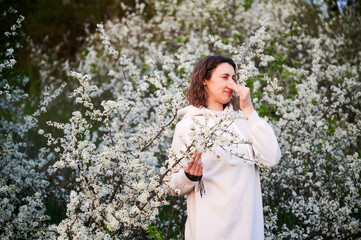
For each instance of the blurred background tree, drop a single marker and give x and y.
(61, 26)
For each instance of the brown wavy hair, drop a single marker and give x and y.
(196, 93)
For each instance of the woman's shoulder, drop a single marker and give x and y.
(185, 123)
(188, 124)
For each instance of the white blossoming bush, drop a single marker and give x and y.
(117, 188)
(300, 82)
(132, 76)
(23, 182)
(315, 187)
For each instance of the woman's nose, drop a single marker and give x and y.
(231, 80)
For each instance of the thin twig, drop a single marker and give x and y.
(160, 131)
(169, 221)
(116, 189)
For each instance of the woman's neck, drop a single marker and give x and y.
(215, 107)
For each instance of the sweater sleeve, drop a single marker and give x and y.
(179, 182)
(264, 141)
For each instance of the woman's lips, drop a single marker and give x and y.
(229, 93)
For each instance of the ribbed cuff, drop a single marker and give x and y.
(192, 177)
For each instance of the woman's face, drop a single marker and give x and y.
(216, 87)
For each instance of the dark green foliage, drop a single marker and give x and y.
(154, 233)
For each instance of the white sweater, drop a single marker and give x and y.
(231, 207)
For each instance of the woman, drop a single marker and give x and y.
(231, 207)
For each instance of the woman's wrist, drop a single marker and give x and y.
(247, 111)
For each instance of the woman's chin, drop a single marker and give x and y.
(227, 100)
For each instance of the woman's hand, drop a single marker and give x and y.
(195, 167)
(245, 102)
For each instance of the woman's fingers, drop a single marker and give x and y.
(244, 95)
(197, 158)
(195, 167)
(242, 91)
(235, 87)
(200, 169)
